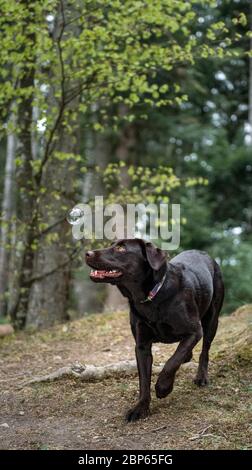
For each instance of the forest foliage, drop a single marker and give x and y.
(132, 100)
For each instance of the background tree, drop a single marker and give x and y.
(8, 206)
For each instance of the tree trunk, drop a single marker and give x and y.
(45, 267)
(250, 82)
(50, 278)
(23, 256)
(97, 151)
(7, 212)
(49, 293)
(25, 206)
(125, 146)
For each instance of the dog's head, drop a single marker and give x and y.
(126, 261)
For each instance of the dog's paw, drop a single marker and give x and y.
(164, 385)
(201, 380)
(139, 411)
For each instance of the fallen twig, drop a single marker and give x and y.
(201, 434)
(158, 429)
(205, 429)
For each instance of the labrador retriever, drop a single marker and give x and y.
(177, 300)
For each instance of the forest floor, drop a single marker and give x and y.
(71, 414)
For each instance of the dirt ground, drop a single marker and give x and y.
(70, 414)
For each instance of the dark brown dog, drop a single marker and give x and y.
(175, 301)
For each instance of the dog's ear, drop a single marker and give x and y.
(155, 257)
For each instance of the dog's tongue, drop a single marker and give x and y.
(101, 274)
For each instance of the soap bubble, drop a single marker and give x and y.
(74, 216)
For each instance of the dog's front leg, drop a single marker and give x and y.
(166, 377)
(144, 365)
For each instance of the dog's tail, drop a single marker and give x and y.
(219, 289)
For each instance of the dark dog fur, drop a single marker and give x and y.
(186, 307)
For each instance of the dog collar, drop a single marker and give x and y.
(153, 292)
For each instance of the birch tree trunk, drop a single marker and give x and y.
(7, 213)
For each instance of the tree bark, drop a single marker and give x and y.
(49, 294)
(97, 149)
(126, 143)
(25, 206)
(7, 213)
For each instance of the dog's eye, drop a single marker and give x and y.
(120, 248)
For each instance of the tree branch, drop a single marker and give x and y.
(74, 254)
(48, 229)
(90, 372)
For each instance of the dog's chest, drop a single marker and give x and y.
(164, 333)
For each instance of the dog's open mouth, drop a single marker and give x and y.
(105, 274)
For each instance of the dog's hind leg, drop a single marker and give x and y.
(209, 326)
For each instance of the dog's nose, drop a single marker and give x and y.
(89, 254)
